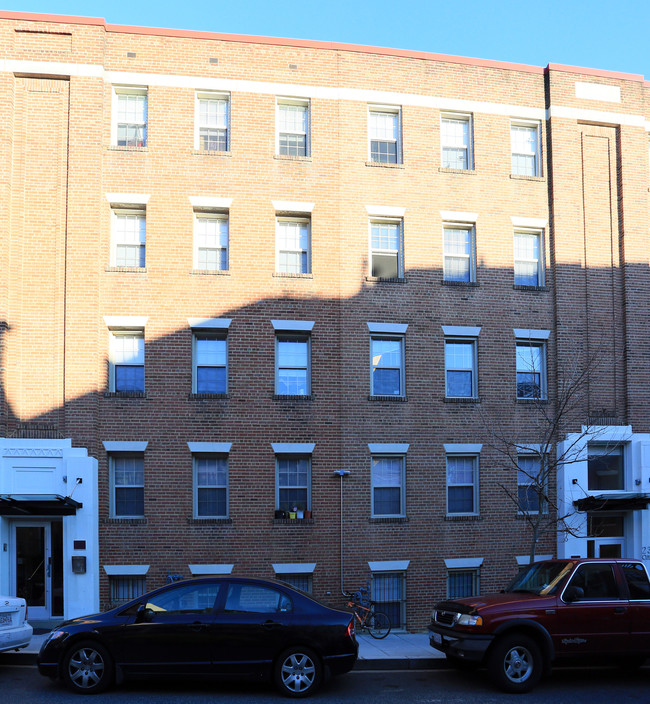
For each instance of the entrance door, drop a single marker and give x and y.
(39, 567)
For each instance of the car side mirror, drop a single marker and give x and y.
(574, 594)
(143, 614)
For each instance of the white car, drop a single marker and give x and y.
(15, 632)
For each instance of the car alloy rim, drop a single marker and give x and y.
(518, 664)
(86, 668)
(298, 672)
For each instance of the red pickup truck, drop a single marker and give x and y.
(555, 609)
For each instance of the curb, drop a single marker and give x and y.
(8, 659)
(400, 664)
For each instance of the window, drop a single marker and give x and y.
(532, 484)
(129, 238)
(456, 141)
(293, 482)
(211, 124)
(293, 246)
(293, 127)
(254, 598)
(126, 357)
(386, 249)
(597, 582)
(531, 370)
(529, 268)
(210, 241)
(462, 484)
(459, 261)
(210, 485)
(185, 599)
(605, 468)
(130, 117)
(387, 365)
(388, 481)
(384, 134)
(298, 581)
(210, 363)
(524, 139)
(127, 484)
(292, 354)
(389, 594)
(637, 580)
(462, 583)
(125, 588)
(460, 368)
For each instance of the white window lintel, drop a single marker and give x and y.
(293, 448)
(213, 202)
(128, 198)
(210, 569)
(388, 448)
(125, 445)
(293, 325)
(221, 448)
(388, 328)
(460, 331)
(389, 565)
(292, 206)
(385, 211)
(456, 448)
(524, 334)
(539, 223)
(457, 216)
(525, 559)
(125, 322)
(459, 563)
(210, 323)
(294, 567)
(125, 570)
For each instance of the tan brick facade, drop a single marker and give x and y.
(60, 168)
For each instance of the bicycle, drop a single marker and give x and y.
(376, 623)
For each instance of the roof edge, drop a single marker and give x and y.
(39, 17)
(603, 73)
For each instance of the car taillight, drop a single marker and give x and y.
(26, 610)
(350, 631)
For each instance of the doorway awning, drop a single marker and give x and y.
(613, 502)
(38, 505)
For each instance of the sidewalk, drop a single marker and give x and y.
(398, 651)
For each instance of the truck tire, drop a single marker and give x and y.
(515, 663)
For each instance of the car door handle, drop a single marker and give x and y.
(271, 624)
(197, 626)
(620, 610)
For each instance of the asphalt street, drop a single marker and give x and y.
(566, 686)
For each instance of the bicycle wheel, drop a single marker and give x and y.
(378, 625)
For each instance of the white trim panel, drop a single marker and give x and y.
(293, 325)
(385, 211)
(598, 91)
(389, 565)
(127, 322)
(460, 331)
(392, 448)
(221, 448)
(210, 202)
(459, 563)
(388, 328)
(528, 222)
(128, 198)
(292, 206)
(460, 448)
(524, 334)
(527, 448)
(457, 216)
(125, 445)
(210, 569)
(125, 570)
(293, 448)
(294, 567)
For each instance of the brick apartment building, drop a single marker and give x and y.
(242, 276)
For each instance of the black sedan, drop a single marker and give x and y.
(216, 626)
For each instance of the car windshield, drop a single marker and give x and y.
(540, 578)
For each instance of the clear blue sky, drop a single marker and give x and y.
(612, 35)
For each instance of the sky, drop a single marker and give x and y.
(598, 34)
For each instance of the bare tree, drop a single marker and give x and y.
(535, 461)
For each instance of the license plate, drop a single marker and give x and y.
(5, 619)
(436, 638)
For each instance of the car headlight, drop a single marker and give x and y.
(55, 635)
(470, 620)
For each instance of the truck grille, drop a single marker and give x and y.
(445, 618)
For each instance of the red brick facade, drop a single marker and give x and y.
(60, 168)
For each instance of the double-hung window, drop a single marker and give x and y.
(386, 248)
(292, 120)
(387, 359)
(293, 482)
(531, 363)
(126, 357)
(129, 235)
(209, 355)
(212, 122)
(384, 134)
(210, 241)
(210, 485)
(459, 253)
(462, 583)
(456, 141)
(461, 376)
(462, 480)
(388, 590)
(529, 258)
(525, 146)
(388, 479)
(293, 357)
(532, 483)
(127, 484)
(293, 250)
(129, 125)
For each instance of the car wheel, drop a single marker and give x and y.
(515, 663)
(87, 668)
(298, 672)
